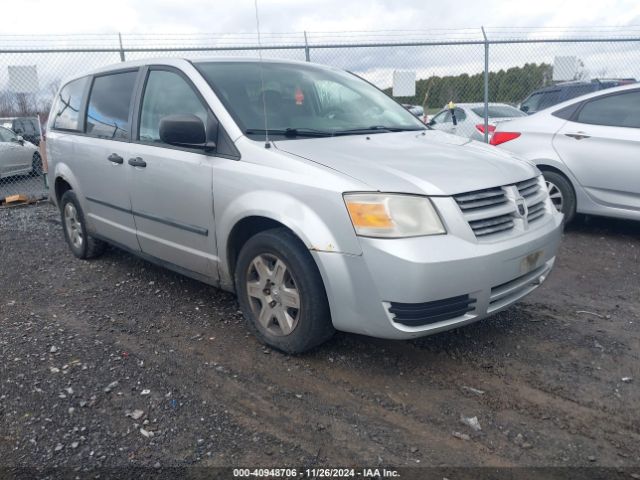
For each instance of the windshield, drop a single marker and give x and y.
(303, 100)
(499, 111)
(540, 100)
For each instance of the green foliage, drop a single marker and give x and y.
(505, 86)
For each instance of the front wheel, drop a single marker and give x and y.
(281, 293)
(36, 165)
(561, 194)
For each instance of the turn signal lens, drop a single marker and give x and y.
(369, 215)
(392, 215)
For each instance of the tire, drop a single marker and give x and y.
(82, 245)
(273, 269)
(36, 165)
(561, 193)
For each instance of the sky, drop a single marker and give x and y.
(157, 23)
(211, 16)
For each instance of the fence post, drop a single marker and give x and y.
(122, 59)
(486, 86)
(307, 56)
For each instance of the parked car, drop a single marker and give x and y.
(469, 119)
(17, 156)
(588, 150)
(552, 95)
(344, 213)
(26, 127)
(416, 110)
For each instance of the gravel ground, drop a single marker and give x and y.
(115, 362)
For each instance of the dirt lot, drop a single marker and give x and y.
(554, 380)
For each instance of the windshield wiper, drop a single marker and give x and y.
(376, 129)
(290, 132)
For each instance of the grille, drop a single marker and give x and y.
(528, 188)
(492, 211)
(536, 211)
(419, 314)
(487, 198)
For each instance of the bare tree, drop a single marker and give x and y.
(25, 103)
(6, 104)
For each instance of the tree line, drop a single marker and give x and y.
(505, 86)
(18, 104)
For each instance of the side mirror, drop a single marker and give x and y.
(18, 139)
(185, 130)
(431, 123)
(524, 108)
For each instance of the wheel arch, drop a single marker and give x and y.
(242, 231)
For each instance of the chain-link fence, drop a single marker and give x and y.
(489, 74)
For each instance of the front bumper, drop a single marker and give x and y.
(362, 288)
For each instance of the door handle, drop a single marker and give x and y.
(137, 162)
(578, 135)
(115, 158)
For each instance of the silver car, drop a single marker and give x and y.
(17, 156)
(588, 149)
(321, 202)
(467, 119)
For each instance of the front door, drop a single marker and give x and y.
(600, 146)
(172, 187)
(14, 158)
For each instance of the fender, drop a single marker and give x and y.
(313, 230)
(62, 170)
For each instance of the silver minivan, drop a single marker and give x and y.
(320, 201)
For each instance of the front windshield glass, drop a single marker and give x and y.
(303, 100)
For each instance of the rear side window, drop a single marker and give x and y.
(620, 110)
(66, 110)
(110, 104)
(18, 127)
(566, 112)
(460, 114)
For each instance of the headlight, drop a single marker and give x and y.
(392, 215)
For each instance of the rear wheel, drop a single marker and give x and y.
(75, 233)
(561, 194)
(281, 293)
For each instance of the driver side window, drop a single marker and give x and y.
(166, 93)
(332, 95)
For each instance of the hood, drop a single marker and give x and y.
(435, 163)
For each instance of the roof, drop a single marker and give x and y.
(606, 91)
(181, 62)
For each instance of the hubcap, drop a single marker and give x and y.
(555, 195)
(273, 294)
(73, 225)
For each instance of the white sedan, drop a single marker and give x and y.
(17, 156)
(467, 119)
(588, 149)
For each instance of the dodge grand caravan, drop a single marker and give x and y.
(321, 202)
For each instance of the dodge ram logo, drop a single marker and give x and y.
(521, 205)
